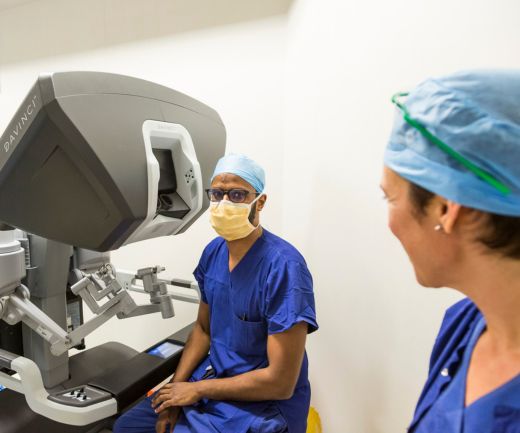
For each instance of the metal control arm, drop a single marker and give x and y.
(104, 295)
(130, 279)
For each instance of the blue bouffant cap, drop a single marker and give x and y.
(242, 166)
(477, 113)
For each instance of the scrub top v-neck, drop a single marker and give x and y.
(449, 413)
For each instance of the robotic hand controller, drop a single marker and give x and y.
(89, 163)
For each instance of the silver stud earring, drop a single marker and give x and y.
(439, 228)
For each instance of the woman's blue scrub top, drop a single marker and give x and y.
(441, 407)
(268, 292)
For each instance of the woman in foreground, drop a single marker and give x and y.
(452, 181)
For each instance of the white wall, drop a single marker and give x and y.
(307, 95)
(345, 60)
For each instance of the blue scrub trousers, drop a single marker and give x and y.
(142, 418)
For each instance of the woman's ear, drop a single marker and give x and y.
(450, 216)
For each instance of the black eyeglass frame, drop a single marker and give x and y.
(225, 192)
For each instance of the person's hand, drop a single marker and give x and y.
(167, 417)
(176, 394)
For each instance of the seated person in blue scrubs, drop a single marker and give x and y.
(452, 181)
(256, 311)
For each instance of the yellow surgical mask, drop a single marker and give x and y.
(231, 220)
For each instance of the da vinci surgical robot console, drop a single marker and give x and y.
(89, 163)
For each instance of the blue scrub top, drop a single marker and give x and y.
(268, 292)
(441, 407)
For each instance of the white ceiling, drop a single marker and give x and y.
(7, 4)
(114, 27)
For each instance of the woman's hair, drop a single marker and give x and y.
(500, 233)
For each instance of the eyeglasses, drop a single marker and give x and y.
(235, 195)
(482, 174)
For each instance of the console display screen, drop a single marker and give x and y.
(165, 350)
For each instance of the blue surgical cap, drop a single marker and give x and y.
(244, 167)
(477, 113)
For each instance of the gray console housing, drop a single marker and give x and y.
(72, 160)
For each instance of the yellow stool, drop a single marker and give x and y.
(313, 422)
